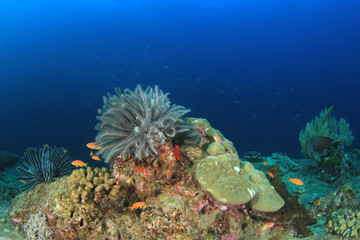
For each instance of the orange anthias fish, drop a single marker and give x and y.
(296, 181)
(270, 174)
(97, 158)
(265, 227)
(266, 163)
(91, 145)
(137, 205)
(79, 163)
(218, 139)
(317, 202)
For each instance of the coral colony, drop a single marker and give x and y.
(170, 177)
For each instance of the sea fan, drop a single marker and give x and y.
(135, 122)
(43, 165)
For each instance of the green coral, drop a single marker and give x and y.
(215, 148)
(233, 182)
(229, 180)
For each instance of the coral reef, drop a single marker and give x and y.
(93, 185)
(325, 136)
(36, 227)
(324, 140)
(136, 122)
(43, 165)
(345, 223)
(285, 163)
(292, 213)
(187, 192)
(344, 197)
(69, 219)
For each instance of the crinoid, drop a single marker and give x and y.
(43, 165)
(135, 122)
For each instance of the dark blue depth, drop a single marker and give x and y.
(257, 70)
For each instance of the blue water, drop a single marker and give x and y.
(257, 70)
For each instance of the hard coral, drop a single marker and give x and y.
(231, 182)
(93, 185)
(135, 122)
(345, 223)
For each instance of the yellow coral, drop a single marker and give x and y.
(345, 224)
(83, 184)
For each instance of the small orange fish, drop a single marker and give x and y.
(317, 202)
(296, 181)
(218, 139)
(137, 205)
(91, 153)
(270, 174)
(265, 227)
(97, 158)
(79, 163)
(91, 145)
(23, 181)
(266, 163)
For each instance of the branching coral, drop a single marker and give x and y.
(135, 122)
(43, 165)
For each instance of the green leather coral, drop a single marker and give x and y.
(233, 182)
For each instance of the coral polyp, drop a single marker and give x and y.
(136, 122)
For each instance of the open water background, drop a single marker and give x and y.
(257, 70)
